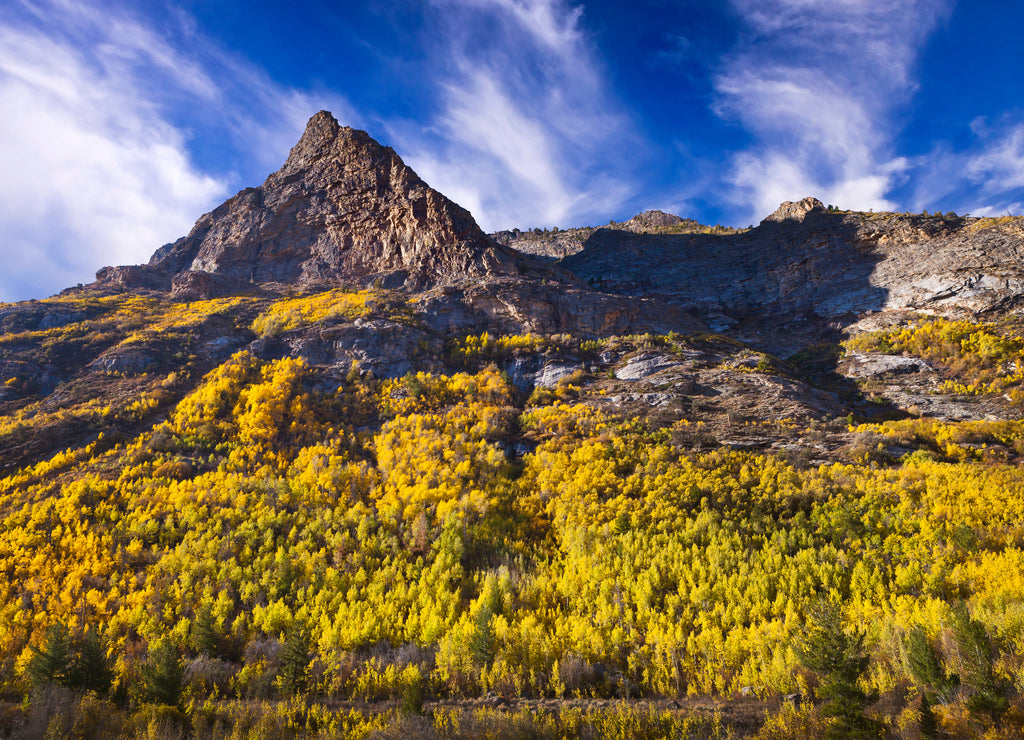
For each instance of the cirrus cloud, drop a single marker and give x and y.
(95, 140)
(818, 84)
(526, 132)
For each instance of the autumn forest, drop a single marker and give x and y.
(254, 548)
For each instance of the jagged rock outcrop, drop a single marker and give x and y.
(548, 245)
(789, 211)
(342, 208)
(870, 365)
(515, 307)
(558, 243)
(653, 220)
(806, 259)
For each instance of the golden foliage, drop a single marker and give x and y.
(391, 521)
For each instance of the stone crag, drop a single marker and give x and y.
(724, 329)
(806, 259)
(343, 208)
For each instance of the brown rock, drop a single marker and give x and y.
(789, 211)
(653, 220)
(803, 259)
(343, 208)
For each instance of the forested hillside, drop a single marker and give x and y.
(338, 464)
(340, 546)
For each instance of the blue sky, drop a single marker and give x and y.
(123, 121)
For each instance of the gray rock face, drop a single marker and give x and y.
(386, 348)
(221, 346)
(520, 306)
(859, 365)
(645, 366)
(55, 319)
(657, 400)
(342, 207)
(804, 258)
(126, 361)
(554, 373)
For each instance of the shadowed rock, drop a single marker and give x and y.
(804, 258)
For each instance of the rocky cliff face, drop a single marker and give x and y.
(804, 258)
(342, 208)
(657, 291)
(345, 210)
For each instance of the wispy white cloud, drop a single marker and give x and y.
(525, 129)
(985, 177)
(91, 175)
(1000, 166)
(818, 83)
(95, 137)
(104, 108)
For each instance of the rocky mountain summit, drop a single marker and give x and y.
(342, 208)
(345, 258)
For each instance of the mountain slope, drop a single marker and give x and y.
(804, 258)
(391, 458)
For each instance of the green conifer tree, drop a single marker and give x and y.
(89, 668)
(928, 725)
(163, 673)
(924, 666)
(840, 661)
(481, 643)
(205, 639)
(49, 663)
(295, 657)
(987, 700)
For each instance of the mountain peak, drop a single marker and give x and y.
(654, 219)
(343, 208)
(325, 144)
(321, 131)
(789, 211)
(322, 126)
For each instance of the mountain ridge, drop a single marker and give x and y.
(345, 216)
(344, 210)
(336, 447)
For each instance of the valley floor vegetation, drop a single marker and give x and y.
(439, 555)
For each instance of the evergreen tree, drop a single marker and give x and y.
(163, 673)
(481, 642)
(205, 639)
(412, 697)
(89, 668)
(295, 657)
(839, 659)
(924, 665)
(49, 664)
(976, 657)
(928, 725)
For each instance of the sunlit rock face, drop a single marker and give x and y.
(342, 208)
